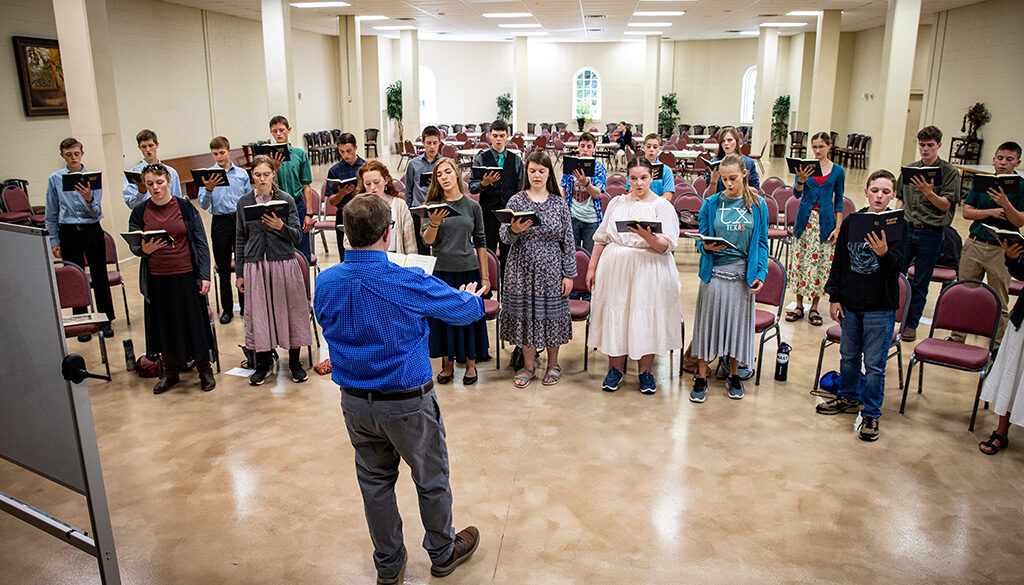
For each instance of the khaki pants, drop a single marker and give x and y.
(979, 260)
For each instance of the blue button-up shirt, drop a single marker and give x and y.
(132, 196)
(599, 180)
(374, 318)
(68, 206)
(224, 199)
(341, 170)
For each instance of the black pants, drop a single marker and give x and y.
(339, 233)
(81, 242)
(222, 237)
(421, 247)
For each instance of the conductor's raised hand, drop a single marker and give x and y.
(566, 286)
(204, 287)
(520, 225)
(437, 215)
(212, 182)
(150, 245)
(1013, 251)
(835, 310)
(878, 243)
(472, 289)
(490, 178)
(272, 221)
(756, 287)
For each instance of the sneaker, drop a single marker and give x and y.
(722, 371)
(298, 373)
(869, 429)
(107, 332)
(838, 405)
(700, 390)
(735, 388)
(381, 580)
(647, 383)
(909, 334)
(466, 542)
(745, 372)
(611, 381)
(226, 317)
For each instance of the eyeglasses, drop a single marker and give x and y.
(154, 167)
(391, 223)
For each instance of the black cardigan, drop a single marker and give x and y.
(196, 242)
(1016, 268)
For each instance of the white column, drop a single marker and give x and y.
(652, 83)
(900, 45)
(826, 61)
(520, 89)
(409, 59)
(767, 79)
(802, 102)
(350, 65)
(277, 54)
(85, 50)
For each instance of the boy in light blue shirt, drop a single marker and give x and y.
(665, 187)
(136, 193)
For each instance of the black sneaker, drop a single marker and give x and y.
(107, 332)
(735, 388)
(700, 390)
(263, 364)
(838, 405)
(869, 429)
(298, 374)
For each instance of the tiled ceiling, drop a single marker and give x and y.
(578, 20)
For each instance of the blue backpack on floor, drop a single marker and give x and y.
(830, 382)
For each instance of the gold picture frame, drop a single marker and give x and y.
(41, 75)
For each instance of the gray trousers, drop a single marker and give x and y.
(384, 433)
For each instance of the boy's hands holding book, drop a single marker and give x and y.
(1013, 251)
(84, 190)
(490, 178)
(926, 187)
(835, 310)
(211, 182)
(878, 244)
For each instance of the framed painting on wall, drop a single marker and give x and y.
(41, 76)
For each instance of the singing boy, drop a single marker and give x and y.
(496, 188)
(583, 196)
(424, 163)
(346, 168)
(295, 177)
(136, 193)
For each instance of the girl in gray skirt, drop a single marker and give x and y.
(731, 274)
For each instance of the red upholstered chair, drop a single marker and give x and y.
(1016, 286)
(325, 222)
(615, 189)
(833, 335)
(848, 207)
(782, 195)
(407, 155)
(778, 237)
(74, 293)
(967, 306)
(15, 201)
(449, 151)
(668, 159)
(939, 274)
(605, 200)
(684, 189)
(579, 310)
(304, 268)
(493, 306)
(461, 137)
(757, 157)
(689, 202)
(770, 184)
(114, 276)
(773, 294)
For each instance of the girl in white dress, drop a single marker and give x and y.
(636, 309)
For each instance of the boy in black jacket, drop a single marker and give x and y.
(864, 295)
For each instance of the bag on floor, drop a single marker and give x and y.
(831, 382)
(688, 220)
(147, 367)
(516, 362)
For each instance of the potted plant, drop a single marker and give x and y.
(394, 110)
(668, 114)
(582, 114)
(780, 125)
(976, 117)
(505, 106)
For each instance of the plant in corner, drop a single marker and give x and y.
(582, 114)
(668, 114)
(394, 109)
(505, 106)
(780, 125)
(976, 117)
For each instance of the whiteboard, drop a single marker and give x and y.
(37, 425)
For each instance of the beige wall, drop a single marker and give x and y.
(469, 78)
(709, 78)
(316, 82)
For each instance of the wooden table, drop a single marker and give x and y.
(980, 169)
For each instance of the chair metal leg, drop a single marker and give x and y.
(103, 354)
(323, 238)
(309, 351)
(920, 379)
(760, 354)
(906, 387)
(586, 345)
(216, 289)
(977, 399)
(899, 362)
(821, 357)
(124, 296)
(497, 346)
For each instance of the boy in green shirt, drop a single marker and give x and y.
(295, 178)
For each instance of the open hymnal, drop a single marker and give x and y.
(200, 176)
(135, 238)
(71, 180)
(709, 239)
(413, 261)
(796, 164)
(423, 210)
(507, 215)
(1010, 236)
(257, 211)
(623, 226)
(479, 172)
(272, 149)
(133, 176)
(1009, 183)
(927, 174)
(713, 164)
(84, 319)
(890, 221)
(587, 164)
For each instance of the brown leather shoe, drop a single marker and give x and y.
(466, 542)
(206, 380)
(168, 375)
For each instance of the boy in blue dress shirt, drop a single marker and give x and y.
(346, 168)
(583, 196)
(136, 193)
(222, 201)
(73, 220)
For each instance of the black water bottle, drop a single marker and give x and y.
(782, 362)
(129, 355)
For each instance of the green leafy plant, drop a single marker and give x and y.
(505, 106)
(583, 111)
(780, 120)
(976, 117)
(668, 114)
(394, 106)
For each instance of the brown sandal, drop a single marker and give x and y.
(991, 444)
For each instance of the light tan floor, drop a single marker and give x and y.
(568, 484)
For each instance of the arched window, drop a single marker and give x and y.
(428, 96)
(748, 94)
(586, 91)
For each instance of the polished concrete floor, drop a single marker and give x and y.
(568, 484)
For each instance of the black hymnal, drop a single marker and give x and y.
(422, 210)
(201, 175)
(583, 163)
(270, 149)
(134, 177)
(342, 183)
(479, 172)
(927, 174)
(890, 221)
(622, 226)
(425, 179)
(257, 211)
(1010, 236)
(1010, 183)
(797, 163)
(656, 171)
(135, 238)
(71, 180)
(713, 164)
(709, 239)
(507, 215)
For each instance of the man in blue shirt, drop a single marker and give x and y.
(374, 318)
(136, 193)
(221, 200)
(73, 221)
(346, 168)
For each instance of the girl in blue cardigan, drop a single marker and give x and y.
(816, 228)
(731, 275)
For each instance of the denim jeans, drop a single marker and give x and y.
(303, 245)
(583, 233)
(921, 249)
(867, 334)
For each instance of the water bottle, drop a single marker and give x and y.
(129, 355)
(782, 362)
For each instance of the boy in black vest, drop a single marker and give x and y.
(495, 188)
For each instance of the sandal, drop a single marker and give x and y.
(552, 375)
(795, 315)
(814, 317)
(990, 443)
(523, 377)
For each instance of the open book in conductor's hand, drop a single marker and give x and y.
(623, 226)
(136, 238)
(710, 239)
(257, 211)
(71, 180)
(507, 215)
(424, 210)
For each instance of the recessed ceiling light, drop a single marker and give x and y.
(320, 4)
(520, 25)
(596, 16)
(650, 24)
(804, 13)
(784, 24)
(395, 27)
(595, 30)
(372, 17)
(749, 33)
(406, 18)
(507, 14)
(530, 33)
(645, 32)
(659, 13)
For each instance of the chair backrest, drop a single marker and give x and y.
(471, 127)
(615, 189)
(111, 250)
(371, 134)
(901, 314)
(745, 149)
(14, 199)
(518, 141)
(72, 285)
(617, 179)
(668, 159)
(773, 210)
(700, 184)
(449, 151)
(848, 207)
(461, 136)
(316, 203)
(409, 147)
(774, 290)
(684, 189)
(330, 209)
(689, 202)
(540, 141)
(579, 282)
(494, 271)
(770, 184)
(968, 309)
(304, 268)
(605, 200)
(792, 205)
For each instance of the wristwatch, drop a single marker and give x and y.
(310, 215)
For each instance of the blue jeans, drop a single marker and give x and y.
(583, 233)
(921, 249)
(867, 334)
(303, 245)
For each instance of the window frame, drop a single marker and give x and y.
(595, 108)
(749, 85)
